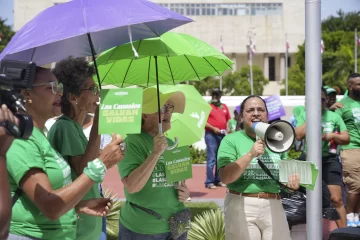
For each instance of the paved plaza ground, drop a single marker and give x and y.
(200, 193)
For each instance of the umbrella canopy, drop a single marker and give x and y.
(189, 126)
(81, 28)
(171, 58)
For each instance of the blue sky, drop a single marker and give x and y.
(328, 7)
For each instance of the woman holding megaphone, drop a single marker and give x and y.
(253, 210)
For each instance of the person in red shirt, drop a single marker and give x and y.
(215, 130)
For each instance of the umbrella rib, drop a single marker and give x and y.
(172, 76)
(192, 67)
(211, 65)
(110, 56)
(148, 80)
(108, 72)
(127, 70)
(32, 55)
(227, 64)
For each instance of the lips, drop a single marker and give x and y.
(56, 104)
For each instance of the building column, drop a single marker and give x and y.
(282, 67)
(266, 65)
(233, 58)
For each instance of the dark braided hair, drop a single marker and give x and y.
(241, 114)
(72, 73)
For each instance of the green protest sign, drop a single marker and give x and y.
(120, 111)
(178, 165)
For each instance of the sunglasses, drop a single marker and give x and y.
(94, 89)
(167, 109)
(57, 88)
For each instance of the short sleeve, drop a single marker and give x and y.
(300, 120)
(64, 137)
(284, 156)
(23, 156)
(135, 155)
(226, 153)
(340, 123)
(339, 111)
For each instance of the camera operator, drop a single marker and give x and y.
(5, 198)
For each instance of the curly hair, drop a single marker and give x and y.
(72, 73)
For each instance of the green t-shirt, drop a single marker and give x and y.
(254, 179)
(156, 195)
(26, 219)
(329, 121)
(351, 116)
(232, 124)
(68, 138)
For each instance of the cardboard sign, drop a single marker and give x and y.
(120, 111)
(178, 165)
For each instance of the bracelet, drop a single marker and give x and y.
(95, 170)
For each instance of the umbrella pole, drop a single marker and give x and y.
(93, 55)
(158, 93)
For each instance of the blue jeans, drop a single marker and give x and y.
(126, 234)
(103, 235)
(212, 141)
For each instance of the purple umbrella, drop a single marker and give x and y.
(87, 27)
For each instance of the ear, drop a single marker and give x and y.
(72, 98)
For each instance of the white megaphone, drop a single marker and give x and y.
(278, 136)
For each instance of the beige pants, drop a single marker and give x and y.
(248, 218)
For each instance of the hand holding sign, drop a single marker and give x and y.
(183, 192)
(178, 164)
(112, 153)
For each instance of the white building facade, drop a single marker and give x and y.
(266, 22)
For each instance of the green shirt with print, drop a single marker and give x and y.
(254, 179)
(69, 140)
(232, 125)
(156, 195)
(27, 219)
(351, 116)
(329, 121)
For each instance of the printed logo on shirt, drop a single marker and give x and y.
(255, 172)
(64, 166)
(356, 114)
(328, 127)
(158, 176)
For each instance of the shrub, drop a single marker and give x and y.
(209, 225)
(197, 155)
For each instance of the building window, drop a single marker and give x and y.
(272, 68)
(225, 9)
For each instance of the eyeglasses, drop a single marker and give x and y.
(94, 89)
(258, 109)
(167, 108)
(57, 88)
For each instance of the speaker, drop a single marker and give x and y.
(278, 136)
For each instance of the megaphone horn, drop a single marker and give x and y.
(278, 136)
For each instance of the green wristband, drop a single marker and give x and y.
(95, 170)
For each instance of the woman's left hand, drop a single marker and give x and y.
(183, 192)
(94, 207)
(294, 181)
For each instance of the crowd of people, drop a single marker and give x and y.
(55, 176)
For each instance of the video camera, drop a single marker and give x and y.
(14, 76)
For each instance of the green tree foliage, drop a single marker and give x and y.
(296, 81)
(338, 58)
(6, 34)
(236, 83)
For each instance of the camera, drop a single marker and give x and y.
(14, 76)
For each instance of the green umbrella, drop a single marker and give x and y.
(169, 59)
(189, 126)
(178, 57)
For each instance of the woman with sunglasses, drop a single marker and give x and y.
(81, 96)
(46, 199)
(331, 167)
